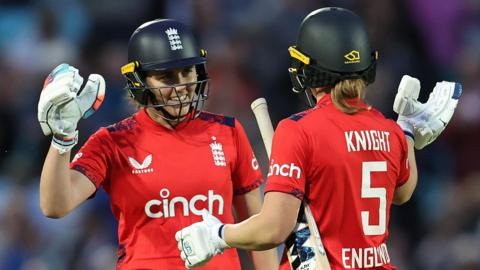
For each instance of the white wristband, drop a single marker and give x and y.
(65, 144)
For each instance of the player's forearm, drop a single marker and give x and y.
(247, 205)
(265, 259)
(412, 179)
(255, 233)
(404, 193)
(55, 185)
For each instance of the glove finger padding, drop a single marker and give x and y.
(439, 111)
(62, 71)
(406, 99)
(89, 99)
(406, 103)
(427, 132)
(444, 99)
(199, 242)
(60, 87)
(91, 96)
(194, 245)
(425, 122)
(64, 118)
(63, 103)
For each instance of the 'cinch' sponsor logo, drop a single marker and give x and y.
(166, 206)
(289, 170)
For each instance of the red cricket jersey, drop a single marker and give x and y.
(159, 179)
(347, 168)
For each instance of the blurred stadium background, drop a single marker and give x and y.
(247, 43)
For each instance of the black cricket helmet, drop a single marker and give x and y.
(161, 45)
(332, 46)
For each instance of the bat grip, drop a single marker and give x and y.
(260, 109)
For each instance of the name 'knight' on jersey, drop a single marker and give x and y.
(347, 169)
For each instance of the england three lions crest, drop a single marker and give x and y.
(174, 39)
(217, 153)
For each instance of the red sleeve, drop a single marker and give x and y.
(404, 172)
(288, 160)
(246, 174)
(92, 159)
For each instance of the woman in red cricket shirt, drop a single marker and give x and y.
(162, 165)
(342, 157)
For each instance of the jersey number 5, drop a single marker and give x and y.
(368, 192)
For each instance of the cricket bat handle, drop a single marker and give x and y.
(260, 109)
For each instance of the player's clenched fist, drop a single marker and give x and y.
(63, 102)
(199, 242)
(425, 121)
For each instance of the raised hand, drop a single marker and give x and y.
(424, 122)
(63, 102)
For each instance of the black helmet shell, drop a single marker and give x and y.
(164, 44)
(332, 46)
(336, 40)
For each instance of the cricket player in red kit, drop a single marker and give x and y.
(163, 165)
(342, 157)
(359, 162)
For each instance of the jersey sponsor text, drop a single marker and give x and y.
(367, 140)
(166, 207)
(365, 257)
(289, 170)
(255, 165)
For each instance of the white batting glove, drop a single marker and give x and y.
(425, 122)
(199, 242)
(62, 103)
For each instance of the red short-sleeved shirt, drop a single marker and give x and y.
(347, 168)
(159, 180)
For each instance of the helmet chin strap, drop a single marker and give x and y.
(169, 118)
(160, 111)
(172, 120)
(310, 97)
